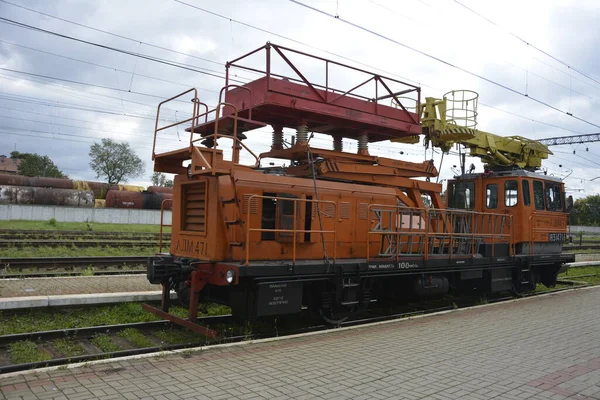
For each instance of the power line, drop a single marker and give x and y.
(67, 118)
(78, 93)
(253, 27)
(89, 84)
(509, 63)
(529, 44)
(355, 61)
(221, 16)
(111, 33)
(362, 28)
(104, 66)
(60, 104)
(127, 52)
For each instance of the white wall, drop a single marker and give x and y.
(76, 214)
(585, 229)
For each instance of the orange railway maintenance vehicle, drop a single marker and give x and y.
(334, 231)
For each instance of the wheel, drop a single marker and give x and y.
(333, 317)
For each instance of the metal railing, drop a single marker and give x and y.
(427, 232)
(237, 143)
(295, 231)
(195, 119)
(162, 214)
(324, 92)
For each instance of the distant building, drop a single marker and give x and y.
(8, 165)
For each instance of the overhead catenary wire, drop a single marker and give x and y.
(227, 18)
(482, 104)
(174, 64)
(526, 42)
(110, 33)
(404, 45)
(137, 74)
(263, 30)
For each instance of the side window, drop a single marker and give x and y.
(491, 196)
(269, 212)
(550, 197)
(553, 197)
(538, 195)
(526, 194)
(511, 193)
(558, 196)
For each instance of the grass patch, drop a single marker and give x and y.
(543, 289)
(68, 348)
(53, 319)
(104, 342)
(179, 336)
(27, 351)
(72, 251)
(575, 274)
(89, 271)
(135, 337)
(79, 226)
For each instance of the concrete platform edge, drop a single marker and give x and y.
(15, 303)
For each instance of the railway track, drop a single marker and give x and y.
(79, 243)
(49, 264)
(92, 343)
(41, 233)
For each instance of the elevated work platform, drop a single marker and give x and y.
(291, 99)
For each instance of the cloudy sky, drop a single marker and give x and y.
(75, 71)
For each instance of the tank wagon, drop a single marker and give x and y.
(45, 196)
(18, 189)
(335, 231)
(100, 189)
(138, 200)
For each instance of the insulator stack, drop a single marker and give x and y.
(338, 145)
(277, 143)
(302, 135)
(363, 144)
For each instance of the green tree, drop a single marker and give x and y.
(586, 211)
(32, 164)
(115, 161)
(160, 179)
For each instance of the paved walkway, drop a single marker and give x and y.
(540, 348)
(74, 285)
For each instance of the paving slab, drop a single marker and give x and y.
(537, 348)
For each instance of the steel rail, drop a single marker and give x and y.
(77, 243)
(21, 263)
(60, 232)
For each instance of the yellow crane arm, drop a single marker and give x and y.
(443, 131)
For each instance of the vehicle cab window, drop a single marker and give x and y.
(491, 196)
(553, 197)
(526, 193)
(463, 195)
(538, 195)
(511, 193)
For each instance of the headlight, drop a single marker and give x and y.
(230, 276)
